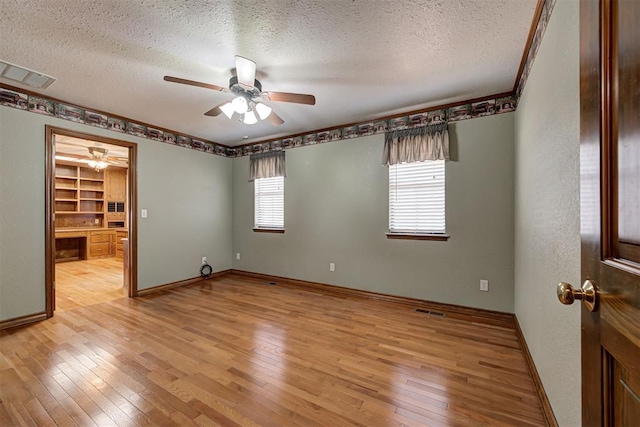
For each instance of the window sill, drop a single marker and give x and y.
(411, 236)
(269, 230)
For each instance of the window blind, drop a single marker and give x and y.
(417, 197)
(269, 202)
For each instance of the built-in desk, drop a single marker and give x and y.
(71, 245)
(87, 243)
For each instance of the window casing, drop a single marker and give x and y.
(417, 198)
(269, 203)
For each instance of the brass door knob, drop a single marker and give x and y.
(588, 294)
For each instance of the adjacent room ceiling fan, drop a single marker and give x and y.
(98, 159)
(248, 95)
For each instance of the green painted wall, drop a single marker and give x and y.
(187, 194)
(336, 210)
(547, 211)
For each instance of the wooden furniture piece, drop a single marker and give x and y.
(79, 196)
(120, 236)
(71, 246)
(90, 211)
(126, 273)
(102, 243)
(83, 244)
(116, 197)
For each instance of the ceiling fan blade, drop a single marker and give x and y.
(275, 119)
(246, 71)
(298, 98)
(193, 83)
(215, 111)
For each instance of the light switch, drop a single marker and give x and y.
(143, 213)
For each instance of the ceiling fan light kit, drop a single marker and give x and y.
(263, 110)
(227, 109)
(250, 118)
(240, 105)
(98, 156)
(97, 165)
(248, 95)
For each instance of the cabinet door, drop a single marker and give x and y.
(116, 185)
(100, 237)
(98, 249)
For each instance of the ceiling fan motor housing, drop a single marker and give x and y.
(236, 88)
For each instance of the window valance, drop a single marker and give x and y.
(267, 165)
(416, 144)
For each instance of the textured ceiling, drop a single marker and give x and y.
(79, 147)
(362, 59)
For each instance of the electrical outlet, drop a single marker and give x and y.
(484, 285)
(204, 260)
(332, 266)
(143, 213)
(237, 255)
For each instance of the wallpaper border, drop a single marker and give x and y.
(14, 97)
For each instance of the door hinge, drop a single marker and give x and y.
(54, 284)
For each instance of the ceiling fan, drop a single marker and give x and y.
(248, 95)
(98, 159)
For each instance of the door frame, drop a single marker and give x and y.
(592, 96)
(49, 226)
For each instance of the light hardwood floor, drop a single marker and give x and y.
(234, 351)
(82, 283)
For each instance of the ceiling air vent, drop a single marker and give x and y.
(25, 76)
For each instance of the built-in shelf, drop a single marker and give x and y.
(81, 195)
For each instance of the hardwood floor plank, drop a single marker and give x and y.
(76, 413)
(83, 401)
(83, 283)
(5, 418)
(20, 414)
(49, 404)
(38, 413)
(235, 352)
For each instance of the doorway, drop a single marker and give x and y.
(91, 227)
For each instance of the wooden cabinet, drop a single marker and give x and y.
(120, 234)
(102, 243)
(116, 184)
(98, 250)
(116, 197)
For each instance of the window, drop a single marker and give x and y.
(269, 202)
(416, 198)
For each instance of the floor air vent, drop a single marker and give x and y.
(430, 312)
